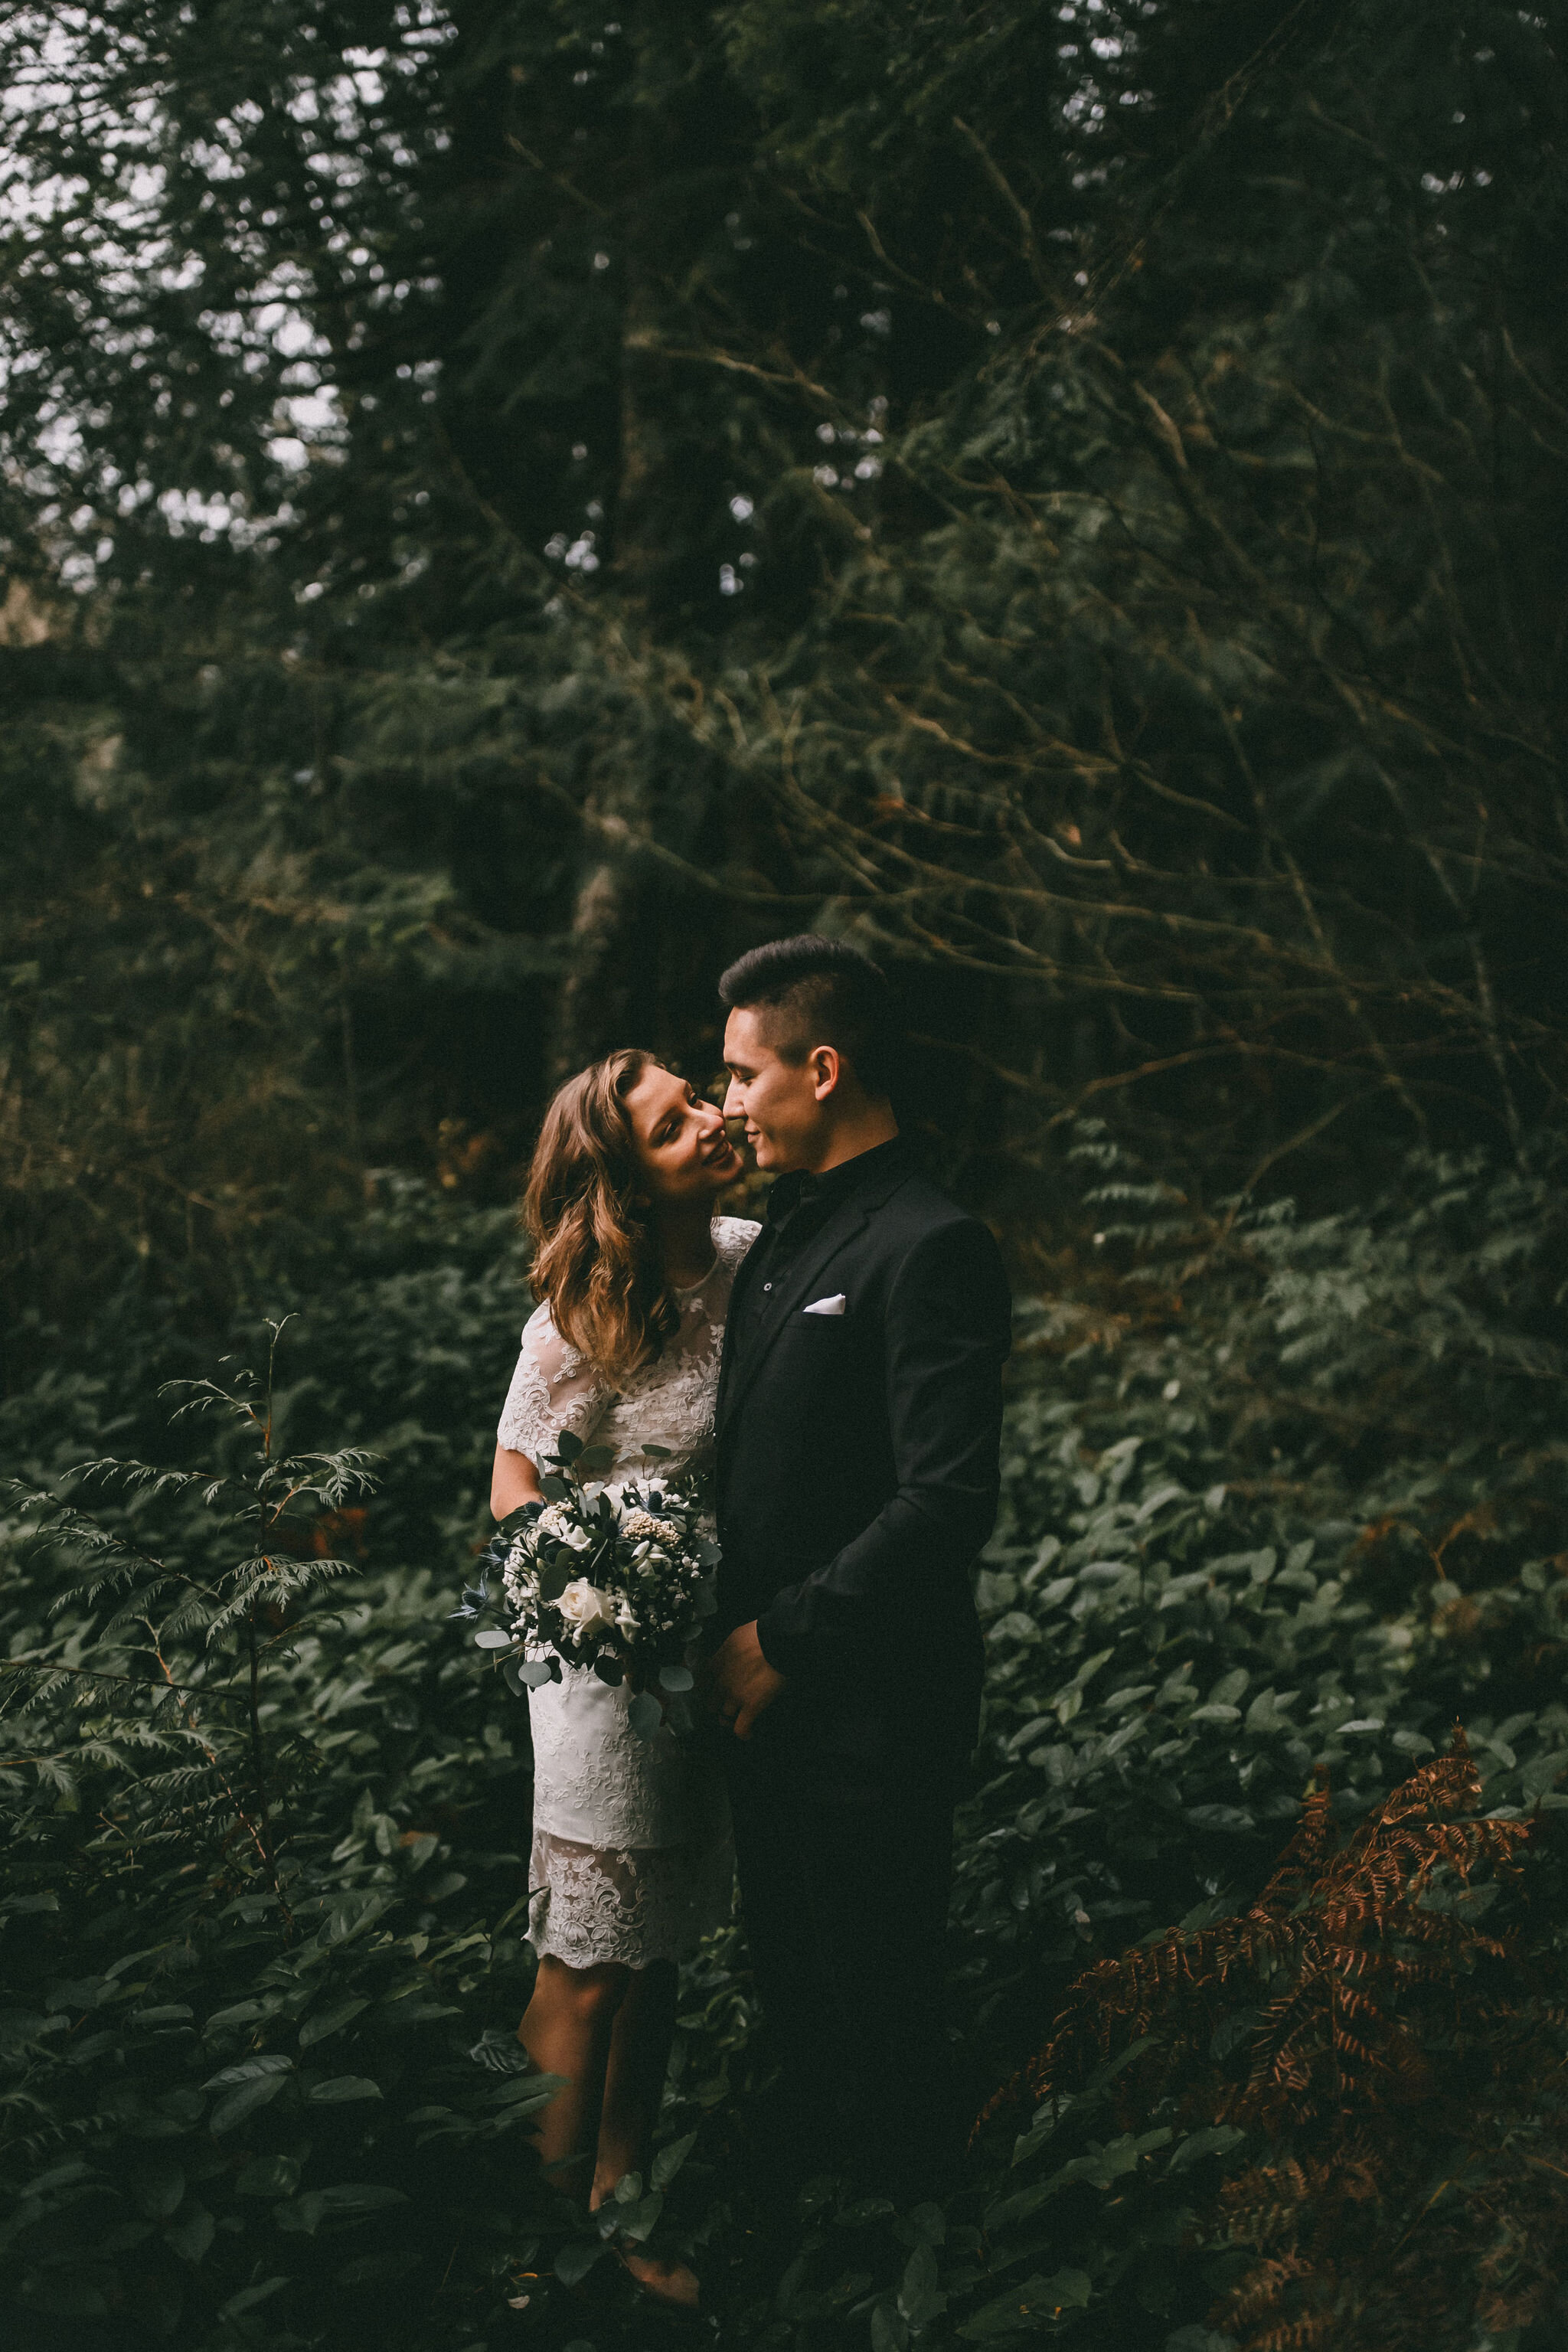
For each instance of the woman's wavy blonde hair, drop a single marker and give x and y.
(597, 1264)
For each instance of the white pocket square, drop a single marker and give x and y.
(834, 1306)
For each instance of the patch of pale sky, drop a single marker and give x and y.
(130, 253)
(61, 442)
(228, 163)
(49, 79)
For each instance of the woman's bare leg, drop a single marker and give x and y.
(634, 2088)
(569, 2028)
(633, 2080)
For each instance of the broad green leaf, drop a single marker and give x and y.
(668, 2160)
(345, 2201)
(577, 2258)
(269, 2175)
(889, 2328)
(192, 2237)
(158, 2186)
(1213, 2139)
(246, 2070)
(332, 2021)
(1026, 2307)
(244, 2100)
(1543, 1772)
(236, 2014)
(342, 2090)
(249, 2298)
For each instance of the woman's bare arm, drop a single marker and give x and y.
(513, 1481)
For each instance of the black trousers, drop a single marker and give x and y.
(844, 1895)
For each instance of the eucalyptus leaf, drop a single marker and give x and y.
(645, 1714)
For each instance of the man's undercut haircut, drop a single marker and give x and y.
(818, 991)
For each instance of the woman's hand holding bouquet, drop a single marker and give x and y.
(620, 1585)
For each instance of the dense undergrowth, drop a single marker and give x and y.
(1284, 1503)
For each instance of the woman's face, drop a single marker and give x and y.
(682, 1149)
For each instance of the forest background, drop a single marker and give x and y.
(502, 508)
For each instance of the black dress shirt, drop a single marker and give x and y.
(798, 1205)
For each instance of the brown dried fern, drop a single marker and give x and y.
(1405, 2083)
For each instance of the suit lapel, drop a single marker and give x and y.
(731, 1349)
(741, 1366)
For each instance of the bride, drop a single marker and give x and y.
(632, 1862)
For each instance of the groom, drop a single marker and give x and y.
(858, 1423)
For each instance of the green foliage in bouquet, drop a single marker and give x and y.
(617, 1583)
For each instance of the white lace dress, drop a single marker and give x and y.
(632, 1860)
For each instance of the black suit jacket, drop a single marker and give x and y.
(857, 1477)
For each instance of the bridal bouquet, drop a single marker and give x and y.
(587, 1579)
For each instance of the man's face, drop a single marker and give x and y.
(784, 1104)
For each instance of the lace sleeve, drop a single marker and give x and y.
(733, 1237)
(552, 1389)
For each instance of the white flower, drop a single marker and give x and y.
(586, 1608)
(553, 1521)
(641, 1527)
(625, 1619)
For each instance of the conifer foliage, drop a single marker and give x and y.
(502, 505)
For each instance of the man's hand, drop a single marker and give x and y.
(741, 1683)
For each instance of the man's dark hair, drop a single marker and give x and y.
(820, 993)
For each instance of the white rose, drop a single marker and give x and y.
(586, 1608)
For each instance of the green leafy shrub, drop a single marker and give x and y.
(1283, 1500)
(259, 2051)
(1280, 1495)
